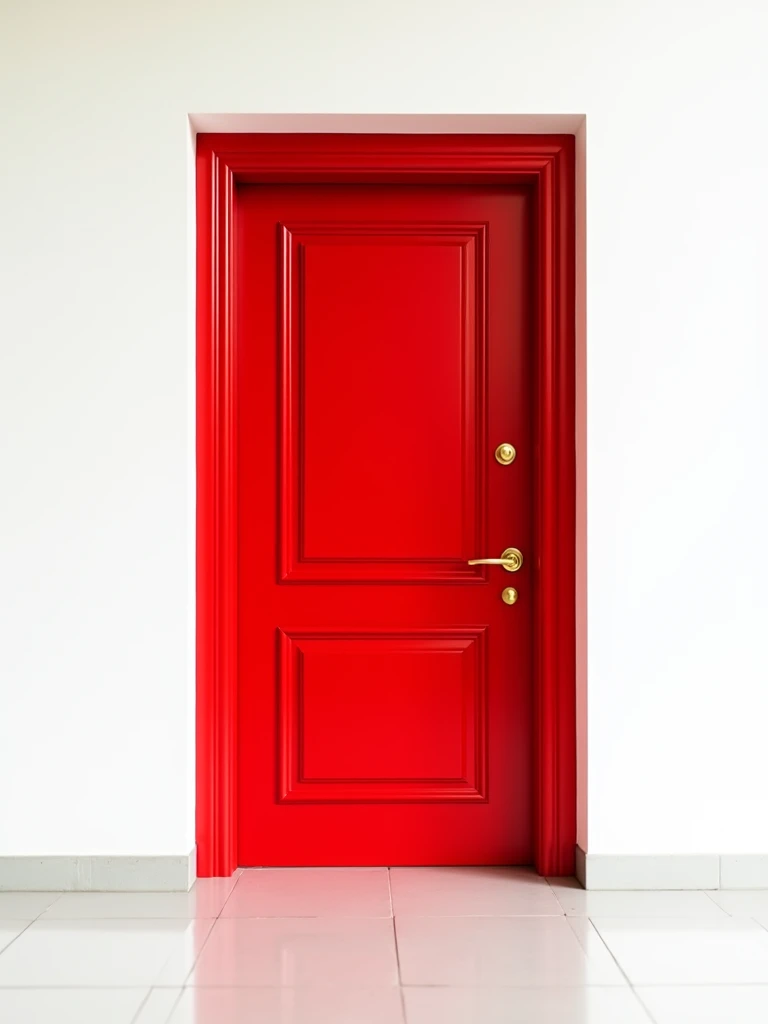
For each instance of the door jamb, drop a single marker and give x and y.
(546, 162)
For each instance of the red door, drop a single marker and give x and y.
(383, 340)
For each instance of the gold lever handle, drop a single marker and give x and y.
(511, 560)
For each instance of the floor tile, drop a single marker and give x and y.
(582, 1005)
(299, 951)
(25, 906)
(707, 1004)
(693, 951)
(740, 902)
(159, 1005)
(311, 892)
(289, 1006)
(204, 900)
(749, 903)
(70, 1005)
(103, 953)
(615, 903)
(9, 930)
(455, 892)
(502, 951)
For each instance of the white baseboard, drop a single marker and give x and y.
(684, 871)
(744, 871)
(178, 873)
(98, 874)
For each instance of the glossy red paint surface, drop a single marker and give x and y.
(391, 723)
(387, 705)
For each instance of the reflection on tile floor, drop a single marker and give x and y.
(372, 946)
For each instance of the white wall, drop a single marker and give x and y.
(96, 752)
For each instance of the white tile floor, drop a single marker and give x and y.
(371, 946)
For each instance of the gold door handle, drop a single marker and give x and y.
(511, 560)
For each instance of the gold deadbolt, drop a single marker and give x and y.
(505, 454)
(509, 595)
(511, 560)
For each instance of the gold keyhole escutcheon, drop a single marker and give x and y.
(505, 454)
(509, 595)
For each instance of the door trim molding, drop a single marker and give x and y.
(546, 162)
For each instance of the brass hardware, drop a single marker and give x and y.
(509, 595)
(511, 560)
(505, 454)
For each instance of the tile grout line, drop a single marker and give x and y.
(646, 1009)
(397, 948)
(559, 901)
(624, 974)
(137, 1016)
(389, 890)
(52, 904)
(711, 898)
(30, 923)
(704, 984)
(27, 926)
(229, 897)
(185, 984)
(216, 919)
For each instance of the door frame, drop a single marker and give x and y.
(546, 163)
